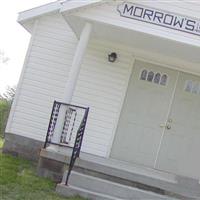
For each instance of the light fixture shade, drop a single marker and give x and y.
(112, 57)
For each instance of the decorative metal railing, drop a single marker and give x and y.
(66, 128)
(64, 124)
(77, 144)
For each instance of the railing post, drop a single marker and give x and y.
(77, 145)
(48, 130)
(86, 116)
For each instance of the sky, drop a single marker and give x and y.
(14, 39)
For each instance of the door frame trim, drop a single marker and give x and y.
(164, 64)
(132, 64)
(167, 117)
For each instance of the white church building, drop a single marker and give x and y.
(126, 74)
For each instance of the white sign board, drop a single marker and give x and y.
(160, 18)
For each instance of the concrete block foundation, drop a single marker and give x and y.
(52, 169)
(24, 147)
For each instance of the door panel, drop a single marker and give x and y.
(180, 147)
(145, 107)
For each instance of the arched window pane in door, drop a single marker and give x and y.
(188, 86)
(157, 78)
(195, 88)
(143, 75)
(163, 79)
(150, 76)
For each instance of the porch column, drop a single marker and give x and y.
(73, 77)
(77, 62)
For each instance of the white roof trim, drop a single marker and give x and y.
(74, 5)
(60, 5)
(35, 12)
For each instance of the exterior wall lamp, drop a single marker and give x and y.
(112, 57)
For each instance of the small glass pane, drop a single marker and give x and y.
(195, 88)
(163, 79)
(188, 86)
(150, 76)
(157, 78)
(143, 75)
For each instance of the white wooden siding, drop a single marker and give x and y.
(101, 85)
(44, 78)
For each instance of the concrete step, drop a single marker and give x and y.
(69, 191)
(122, 172)
(129, 174)
(112, 189)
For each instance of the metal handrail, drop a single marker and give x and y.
(66, 123)
(77, 144)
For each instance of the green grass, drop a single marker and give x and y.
(18, 181)
(1, 143)
(4, 111)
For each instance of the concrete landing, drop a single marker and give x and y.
(129, 175)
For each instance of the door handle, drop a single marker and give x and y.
(167, 126)
(163, 125)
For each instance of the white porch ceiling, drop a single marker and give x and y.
(160, 46)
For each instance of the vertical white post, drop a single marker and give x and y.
(77, 61)
(73, 77)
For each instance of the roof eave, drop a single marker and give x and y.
(25, 17)
(70, 6)
(38, 11)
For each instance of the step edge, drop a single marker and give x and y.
(120, 185)
(83, 162)
(87, 191)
